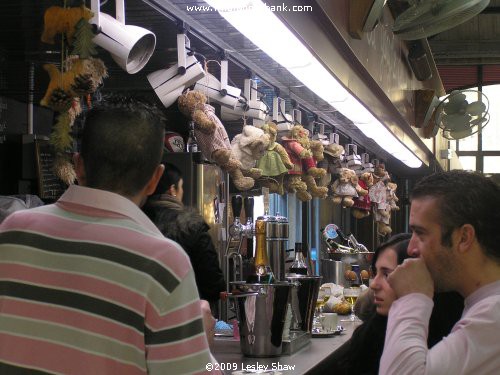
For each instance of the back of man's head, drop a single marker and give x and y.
(122, 144)
(465, 198)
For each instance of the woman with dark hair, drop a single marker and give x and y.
(188, 228)
(361, 354)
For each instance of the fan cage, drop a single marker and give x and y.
(476, 122)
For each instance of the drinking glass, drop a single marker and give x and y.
(323, 297)
(351, 294)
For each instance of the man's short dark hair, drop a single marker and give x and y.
(465, 198)
(122, 144)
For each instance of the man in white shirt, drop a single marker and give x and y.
(455, 219)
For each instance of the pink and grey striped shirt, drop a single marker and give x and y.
(89, 285)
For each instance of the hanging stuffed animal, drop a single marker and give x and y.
(333, 153)
(346, 187)
(212, 137)
(275, 162)
(248, 147)
(392, 198)
(362, 204)
(378, 195)
(298, 147)
(58, 20)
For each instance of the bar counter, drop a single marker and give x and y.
(228, 354)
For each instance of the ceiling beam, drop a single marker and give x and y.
(465, 52)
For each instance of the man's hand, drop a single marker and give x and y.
(411, 277)
(208, 321)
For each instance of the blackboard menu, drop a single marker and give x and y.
(50, 187)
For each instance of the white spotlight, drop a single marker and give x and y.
(219, 91)
(169, 83)
(130, 46)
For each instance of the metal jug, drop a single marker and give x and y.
(261, 311)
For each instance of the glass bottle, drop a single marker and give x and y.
(192, 144)
(299, 265)
(262, 271)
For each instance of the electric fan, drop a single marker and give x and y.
(429, 17)
(462, 113)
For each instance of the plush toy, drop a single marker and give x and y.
(381, 209)
(248, 147)
(333, 153)
(212, 137)
(392, 198)
(362, 204)
(58, 20)
(275, 162)
(298, 147)
(346, 187)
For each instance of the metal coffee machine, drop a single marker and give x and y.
(276, 243)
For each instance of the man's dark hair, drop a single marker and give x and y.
(122, 144)
(171, 176)
(465, 198)
(398, 242)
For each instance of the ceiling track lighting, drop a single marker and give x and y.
(277, 41)
(130, 46)
(168, 84)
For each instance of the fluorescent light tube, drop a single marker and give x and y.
(277, 41)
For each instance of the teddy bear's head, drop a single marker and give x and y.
(271, 129)
(367, 177)
(347, 175)
(392, 185)
(334, 150)
(299, 133)
(190, 102)
(253, 141)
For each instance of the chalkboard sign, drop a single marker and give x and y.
(50, 187)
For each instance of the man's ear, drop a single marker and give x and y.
(155, 178)
(79, 168)
(465, 237)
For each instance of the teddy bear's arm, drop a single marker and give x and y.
(283, 155)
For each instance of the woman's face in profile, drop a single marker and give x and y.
(383, 293)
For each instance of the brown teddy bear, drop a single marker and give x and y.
(362, 204)
(58, 20)
(248, 147)
(392, 198)
(346, 187)
(212, 137)
(275, 162)
(298, 147)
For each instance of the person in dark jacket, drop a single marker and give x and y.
(188, 228)
(361, 354)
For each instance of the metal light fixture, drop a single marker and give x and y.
(169, 84)
(285, 48)
(130, 46)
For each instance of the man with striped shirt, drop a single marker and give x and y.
(89, 285)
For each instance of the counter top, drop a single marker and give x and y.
(228, 354)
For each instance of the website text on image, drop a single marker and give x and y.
(273, 8)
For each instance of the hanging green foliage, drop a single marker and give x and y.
(83, 44)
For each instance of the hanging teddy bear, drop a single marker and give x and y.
(248, 147)
(333, 153)
(392, 198)
(275, 162)
(346, 188)
(362, 204)
(212, 137)
(378, 195)
(304, 171)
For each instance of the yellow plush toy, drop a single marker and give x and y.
(58, 20)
